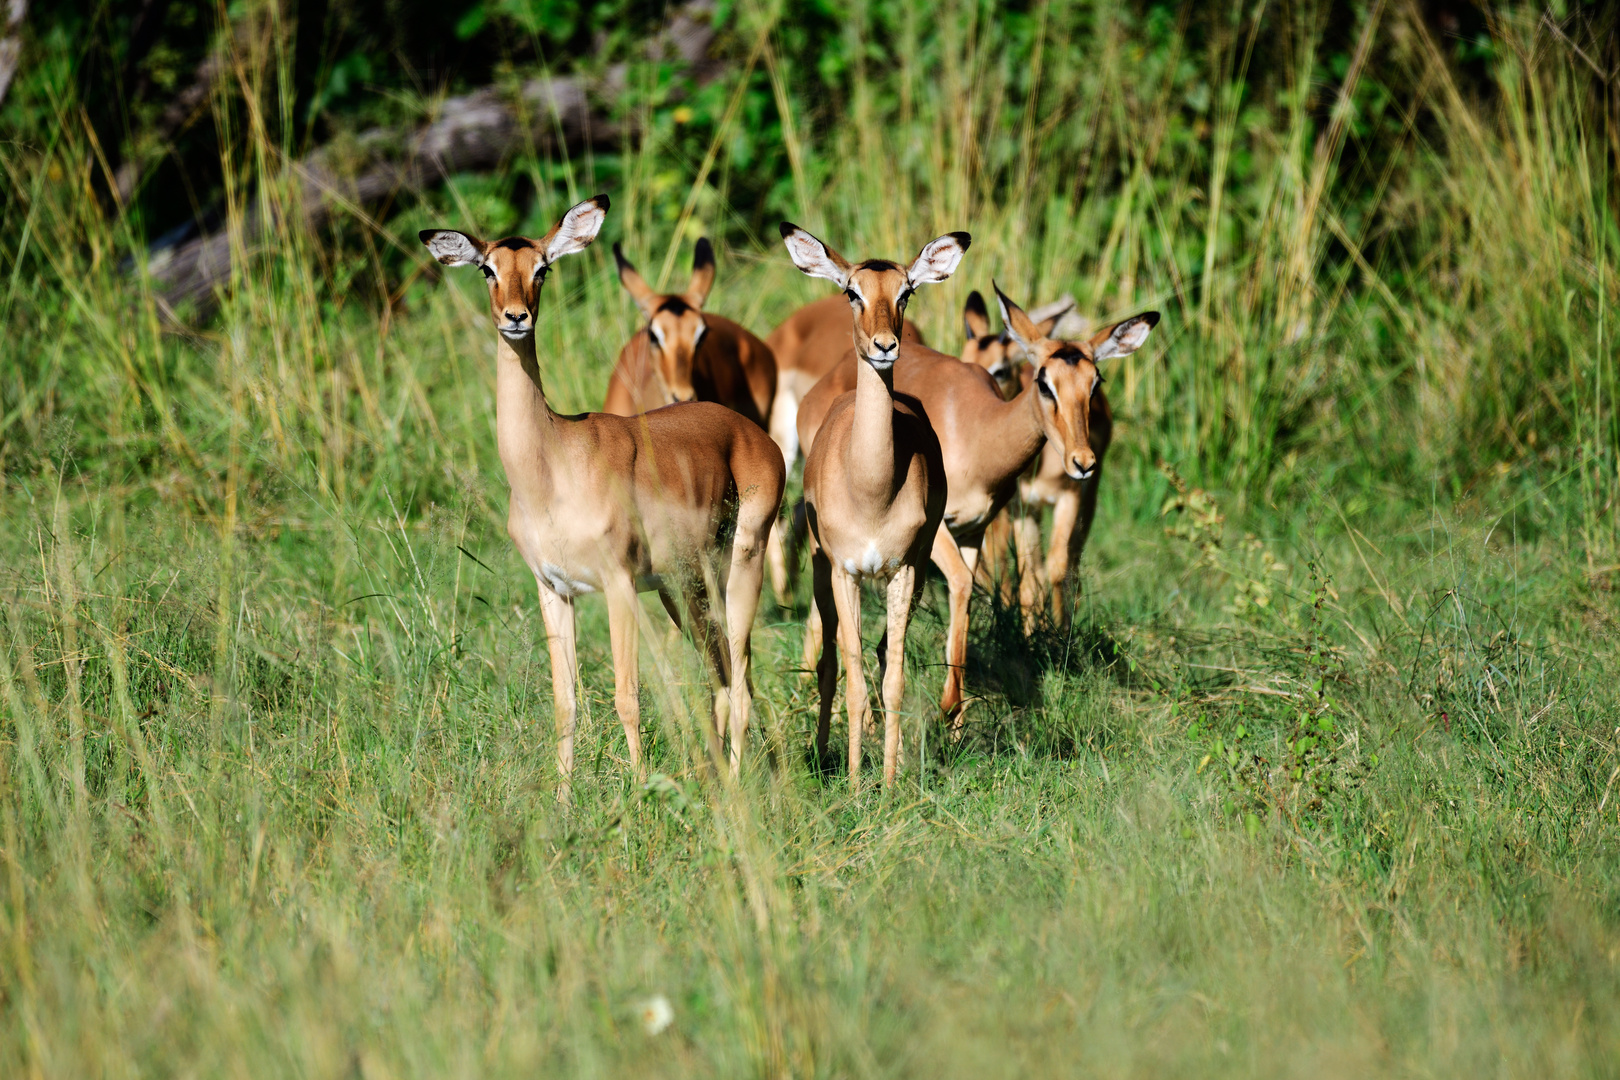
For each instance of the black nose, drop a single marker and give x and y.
(517, 316)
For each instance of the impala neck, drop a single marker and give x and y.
(525, 426)
(1012, 434)
(871, 444)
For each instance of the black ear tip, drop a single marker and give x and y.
(788, 229)
(427, 235)
(1150, 317)
(702, 253)
(965, 239)
(975, 304)
(602, 201)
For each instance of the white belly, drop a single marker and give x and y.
(871, 563)
(564, 582)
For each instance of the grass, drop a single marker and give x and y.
(1325, 780)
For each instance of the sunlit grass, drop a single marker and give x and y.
(1324, 781)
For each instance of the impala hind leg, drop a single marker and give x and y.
(824, 610)
(902, 597)
(706, 636)
(959, 585)
(846, 594)
(558, 613)
(623, 616)
(743, 584)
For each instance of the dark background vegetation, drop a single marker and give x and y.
(1323, 779)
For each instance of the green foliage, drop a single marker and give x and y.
(1322, 780)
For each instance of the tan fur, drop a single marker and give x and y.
(688, 354)
(806, 345)
(986, 442)
(615, 504)
(874, 486)
(1042, 583)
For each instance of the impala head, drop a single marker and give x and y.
(999, 354)
(1066, 376)
(516, 267)
(675, 325)
(877, 289)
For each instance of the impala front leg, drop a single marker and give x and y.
(902, 595)
(1029, 566)
(623, 610)
(1064, 517)
(847, 601)
(959, 584)
(558, 613)
(824, 610)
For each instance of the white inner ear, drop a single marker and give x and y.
(1007, 323)
(810, 255)
(455, 249)
(1125, 339)
(938, 261)
(576, 230)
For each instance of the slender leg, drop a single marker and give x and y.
(1082, 530)
(623, 610)
(700, 616)
(777, 558)
(1064, 514)
(668, 600)
(902, 596)
(959, 583)
(826, 612)
(847, 600)
(1027, 536)
(992, 572)
(812, 635)
(742, 590)
(558, 613)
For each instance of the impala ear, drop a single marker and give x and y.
(634, 283)
(1019, 324)
(1048, 316)
(813, 257)
(697, 290)
(454, 248)
(975, 317)
(576, 230)
(938, 259)
(1124, 338)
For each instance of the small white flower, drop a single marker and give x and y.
(656, 1014)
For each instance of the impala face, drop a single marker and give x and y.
(999, 354)
(516, 267)
(877, 289)
(675, 326)
(1067, 377)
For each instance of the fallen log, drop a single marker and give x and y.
(467, 133)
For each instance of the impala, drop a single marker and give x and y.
(616, 504)
(1044, 583)
(874, 484)
(687, 354)
(987, 442)
(806, 345)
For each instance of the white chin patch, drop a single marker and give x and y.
(880, 365)
(516, 335)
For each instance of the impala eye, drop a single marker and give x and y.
(489, 274)
(1044, 386)
(854, 297)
